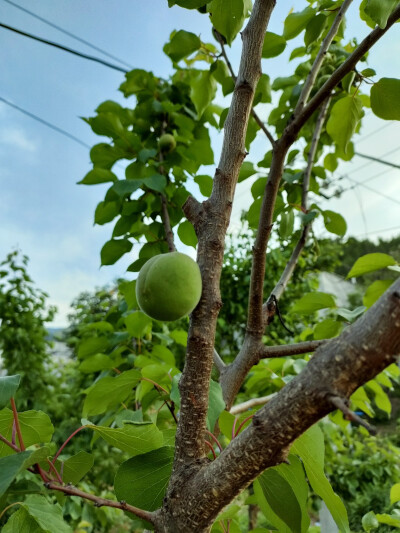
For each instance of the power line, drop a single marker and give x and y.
(65, 48)
(48, 124)
(87, 43)
(366, 136)
(377, 231)
(377, 160)
(358, 184)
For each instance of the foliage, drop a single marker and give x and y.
(24, 344)
(129, 393)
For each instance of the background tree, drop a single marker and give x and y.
(138, 394)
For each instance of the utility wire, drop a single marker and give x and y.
(366, 136)
(87, 43)
(358, 184)
(378, 231)
(377, 160)
(48, 124)
(65, 48)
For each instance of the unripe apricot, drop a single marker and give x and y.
(168, 286)
(167, 142)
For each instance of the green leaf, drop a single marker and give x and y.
(77, 466)
(282, 494)
(188, 4)
(46, 514)
(334, 223)
(343, 120)
(108, 124)
(314, 29)
(202, 89)
(98, 362)
(385, 99)
(327, 329)
(142, 480)
(216, 404)
(138, 324)
(313, 301)
(128, 290)
(9, 467)
(113, 250)
(105, 212)
(227, 17)
(135, 439)
(380, 10)
(375, 291)
(91, 346)
(389, 520)
(36, 428)
(187, 234)
(182, 44)
(247, 169)
(104, 155)
(273, 45)
(296, 22)
(23, 523)
(286, 225)
(380, 397)
(98, 175)
(263, 91)
(369, 521)
(253, 214)
(156, 182)
(179, 336)
(395, 493)
(8, 388)
(109, 392)
(370, 263)
(205, 184)
(331, 162)
(348, 315)
(311, 450)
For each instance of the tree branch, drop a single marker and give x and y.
(70, 490)
(167, 224)
(337, 369)
(293, 128)
(218, 362)
(254, 402)
(309, 83)
(290, 349)
(211, 220)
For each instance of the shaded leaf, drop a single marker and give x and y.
(313, 301)
(370, 263)
(187, 234)
(375, 291)
(181, 45)
(113, 250)
(134, 438)
(273, 45)
(8, 388)
(385, 99)
(142, 480)
(343, 120)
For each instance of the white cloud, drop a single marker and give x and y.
(18, 139)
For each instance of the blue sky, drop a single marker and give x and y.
(44, 212)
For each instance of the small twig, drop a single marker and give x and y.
(218, 362)
(278, 312)
(54, 469)
(309, 83)
(233, 75)
(211, 448)
(8, 507)
(214, 438)
(254, 402)
(167, 224)
(66, 442)
(101, 502)
(342, 405)
(242, 424)
(17, 426)
(290, 349)
(313, 150)
(9, 444)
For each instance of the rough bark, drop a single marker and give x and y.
(337, 369)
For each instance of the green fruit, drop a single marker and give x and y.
(167, 142)
(168, 286)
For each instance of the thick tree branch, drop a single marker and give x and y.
(309, 83)
(293, 128)
(70, 490)
(337, 369)
(211, 220)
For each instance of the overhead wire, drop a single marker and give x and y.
(64, 48)
(72, 35)
(45, 122)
